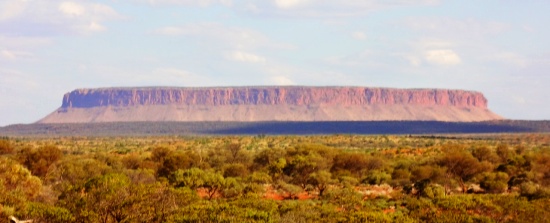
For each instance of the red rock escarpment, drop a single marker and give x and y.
(296, 103)
(346, 96)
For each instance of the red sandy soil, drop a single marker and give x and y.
(273, 194)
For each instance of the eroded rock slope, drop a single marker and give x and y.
(288, 103)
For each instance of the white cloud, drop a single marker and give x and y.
(49, 18)
(222, 36)
(8, 54)
(170, 31)
(510, 58)
(281, 80)
(95, 27)
(519, 100)
(13, 55)
(431, 51)
(173, 77)
(72, 9)
(11, 9)
(433, 44)
(14, 80)
(308, 8)
(442, 57)
(287, 4)
(245, 57)
(312, 7)
(22, 42)
(360, 59)
(413, 60)
(322, 8)
(200, 3)
(87, 17)
(226, 2)
(473, 37)
(450, 27)
(18, 48)
(359, 35)
(331, 77)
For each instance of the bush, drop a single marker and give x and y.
(533, 191)
(377, 177)
(6, 147)
(494, 182)
(39, 160)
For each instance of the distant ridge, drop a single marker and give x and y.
(270, 128)
(269, 103)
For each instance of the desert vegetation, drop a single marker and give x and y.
(324, 178)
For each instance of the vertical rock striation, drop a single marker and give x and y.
(289, 103)
(347, 96)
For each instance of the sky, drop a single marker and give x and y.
(498, 47)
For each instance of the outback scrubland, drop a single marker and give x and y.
(331, 178)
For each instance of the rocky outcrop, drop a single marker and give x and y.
(345, 96)
(292, 103)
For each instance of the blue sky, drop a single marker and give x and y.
(48, 48)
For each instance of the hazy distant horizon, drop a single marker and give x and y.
(498, 48)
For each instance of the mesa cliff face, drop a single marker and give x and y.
(347, 96)
(294, 103)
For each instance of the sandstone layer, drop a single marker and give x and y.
(288, 103)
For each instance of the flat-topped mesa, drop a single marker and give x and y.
(342, 96)
(286, 103)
